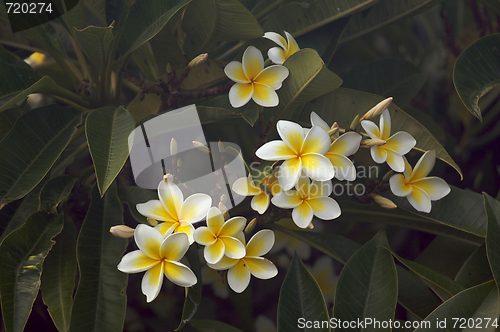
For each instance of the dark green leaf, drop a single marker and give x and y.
(476, 302)
(300, 297)
(107, 131)
(7, 120)
(203, 75)
(207, 22)
(443, 286)
(212, 326)
(299, 18)
(96, 43)
(193, 294)
(493, 234)
(383, 13)
(100, 299)
(367, 286)
(58, 277)
(476, 270)
(21, 257)
(477, 71)
(32, 146)
(249, 112)
(15, 74)
(342, 105)
(336, 30)
(145, 20)
(55, 191)
(134, 195)
(395, 78)
(97, 8)
(166, 50)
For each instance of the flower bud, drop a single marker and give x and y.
(122, 231)
(223, 199)
(152, 222)
(383, 202)
(200, 146)
(355, 122)
(198, 60)
(173, 147)
(224, 211)
(179, 163)
(377, 109)
(250, 226)
(373, 142)
(168, 178)
(221, 147)
(334, 131)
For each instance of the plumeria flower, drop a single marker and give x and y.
(219, 237)
(158, 255)
(416, 186)
(174, 210)
(308, 200)
(253, 81)
(343, 146)
(302, 152)
(238, 276)
(395, 146)
(260, 201)
(287, 47)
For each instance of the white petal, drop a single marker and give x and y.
(238, 277)
(233, 247)
(245, 187)
(276, 55)
(275, 150)
(343, 167)
(385, 124)
(233, 226)
(240, 94)
(174, 246)
(398, 186)
(154, 209)
(151, 282)
(215, 220)
(260, 203)
(148, 240)
(253, 62)
(204, 236)
(272, 76)
(317, 167)
(401, 142)
(325, 208)
(286, 199)
(179, 274)
(261, 268)
(379, 154)
(316, 141)
(347, 144)
(224, 264)
(277, 38)
(187, 228)
(264, 95)
(171, 197)
(214, 252)
(424, 165)
(290, 172)
(195, 208)
(371, 129)
(292, 134)
(316, 120)
(136, 261)
(302, 215)
(260, 243)
(420, 200)
(435, 187)
(395, 160)
(292, 46)
(234, 70)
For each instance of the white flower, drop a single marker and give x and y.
(220, 237)
(416, 186)
(158, 255)
(395, 146)
(287, 47)
(344, 146)
(238, 276)
(174, 210)
(310, 199)
(260, 201)
(301, 152)
(253, 81)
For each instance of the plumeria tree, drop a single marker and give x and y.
(365, 130)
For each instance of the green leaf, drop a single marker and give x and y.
(367, 285)
(249, 112)
(443, 286)
(383, 13)
(100, 299)
(342, 105)
(493, 234)
(166, 49)
(107, 131)
(477, 71)
(300, 18)
(193, 294)
(134, 195)
(309, 78)
(21, 257)
(58, 277)
(354, 212)
(55, 191)
(212, 326)
(207, 22)
(476, 270)
(300, 297)
(43, 85)
(335, 30)
(477, 303)
(395, 78)
(145, 20)
(203, 75)
(96, 43)
(15, 74)
(32, 146)
(97, 8)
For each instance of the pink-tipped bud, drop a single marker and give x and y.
(377, 109)
(198, 60)
(383, 202)
(122, 231)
